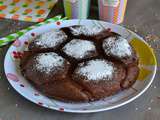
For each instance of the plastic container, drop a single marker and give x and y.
(76, 9)
(112, 10)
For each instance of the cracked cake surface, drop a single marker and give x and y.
(51, 39)
(79, 48)
(80, 63)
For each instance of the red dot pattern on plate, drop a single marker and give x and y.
(12, 77)
(15, 17)
(33, 34)
(14, 53)
(36, 94)
(17, 55)
(17, 43)
(61, 109)
(21, 85)
(109, 29)
(40, 103)
(41, 19)
(26, 43)
(58, 23)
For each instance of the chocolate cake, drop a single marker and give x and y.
(42, 68)
(87, 32)
(80, 63)
(119, 48)
(100, 77)
(48, 41)
(80, 49)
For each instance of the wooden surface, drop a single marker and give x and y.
(143, 16)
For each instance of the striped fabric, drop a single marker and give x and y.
(76, 9)
(111, 13)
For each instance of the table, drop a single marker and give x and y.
(142, 16)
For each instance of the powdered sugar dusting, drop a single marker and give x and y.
(51, 38)
(117, 46)
(96, 70)
(47, 62)
(79, 48)
(86, 30)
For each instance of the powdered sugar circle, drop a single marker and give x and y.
(86, 30)
(47, 62)
(50, 39)
(79, 49)
(117, 46)
(96, 70)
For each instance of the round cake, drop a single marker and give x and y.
(80, 63)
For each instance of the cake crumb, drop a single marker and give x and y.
(8, 88)
(16, 105)
(135, 28)
(149, 108)
(155, 87)
(151, 38)
(152, 100)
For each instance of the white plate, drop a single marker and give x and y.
(147, 66)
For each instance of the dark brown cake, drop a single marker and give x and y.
(48, 41)
(100, 77)
(86, 32)
(80, 64)
(65, 90)
(119, 48)
(42, 68)
(80, 49)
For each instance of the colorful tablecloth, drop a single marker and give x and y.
(26, 10)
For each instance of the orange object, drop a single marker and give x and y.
(50, 7)
(28, 10)
(2, 15)
(3, 7)
(15, 9)
(16, 1)
(41, 11)
(40, 3)
(116, 11)
(15, 16)
(40, 19)
(28, 1)
(28, 18)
